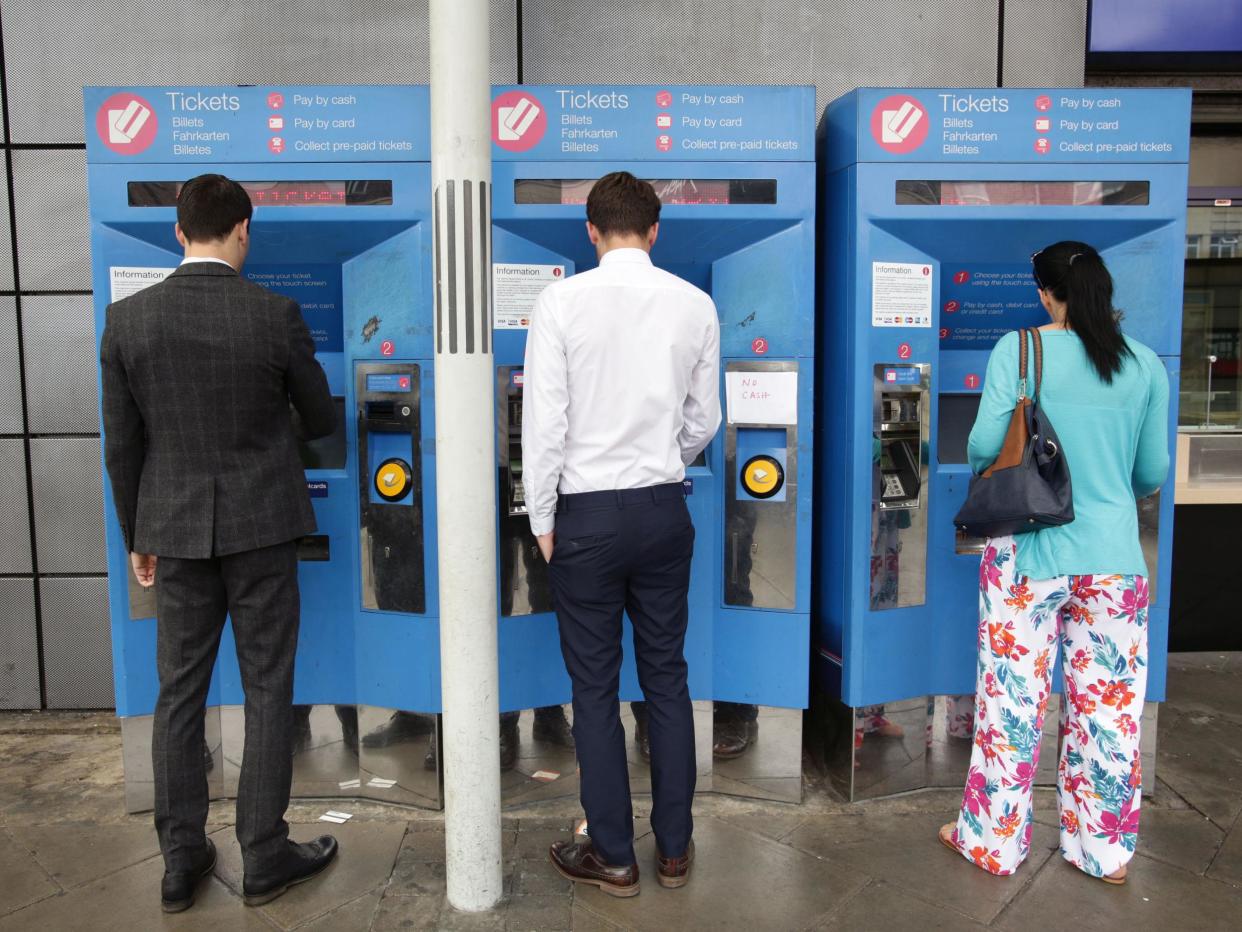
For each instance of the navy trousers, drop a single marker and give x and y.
(627, 552)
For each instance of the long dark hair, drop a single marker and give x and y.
(1074, 273)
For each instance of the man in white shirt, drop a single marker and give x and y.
(621, 393)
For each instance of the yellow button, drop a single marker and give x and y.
(391, 479)
(762, 476)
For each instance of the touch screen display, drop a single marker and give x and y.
(687, 191)
(369, 193)
(967, 193)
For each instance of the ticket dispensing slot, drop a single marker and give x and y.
(761, 502)
(390, 487)
(902, 420)
(524, 588)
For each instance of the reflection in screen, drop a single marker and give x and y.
(691, 191)
(957, 416)
(975, 193)
(326, 452)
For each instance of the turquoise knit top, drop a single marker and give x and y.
(1115, 438)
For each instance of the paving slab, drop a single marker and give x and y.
(776, 821)
(355, 916)
(368, 851)
(739, 880)
(129, 901)
(1155, 896)
(25, 881)
(904, 851)
(1184, 838)
(1227, 865)
(75, 853)
(1210, 688)
(586, 921)
(539, 914)
(881, 907)
(406, 913)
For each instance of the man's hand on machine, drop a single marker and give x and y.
(144, 568)
(546, 542)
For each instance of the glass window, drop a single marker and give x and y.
(1212, 319)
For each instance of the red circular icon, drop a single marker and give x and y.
(1042, 146)
(927, 270)
(275, 100)
(664, 99)
(899, 124)
(759, 346)
(558, 272)
(403, 382)
(1043, 103)
(387, 348)
(276, 144)
(972, 381)
(961, 278)
(126, 123)
(944, 333)
(518, 121)
(904, 351)
(951, 306)
(664, 142)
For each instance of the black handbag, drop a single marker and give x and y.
(1028, 487)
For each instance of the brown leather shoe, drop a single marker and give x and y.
(674, 872)
(577, 861)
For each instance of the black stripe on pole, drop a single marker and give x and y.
(468, 258)
(485, 267)
(435, 235)
(451, 236)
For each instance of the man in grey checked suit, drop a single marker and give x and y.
(201, 448)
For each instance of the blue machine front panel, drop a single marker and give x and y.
(753, 252)
(358, 265)
(902, 184)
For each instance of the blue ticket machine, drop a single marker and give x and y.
(932, 202)
(340, 181)
(733, 168)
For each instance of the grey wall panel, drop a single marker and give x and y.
(6, 238)
(14, 509)
(53, 233)
(54, 48)
(835, 45)
(62, 392)
(1045, 43)
(11, 421)
(77, 643)
(68, 504)
(19, 646)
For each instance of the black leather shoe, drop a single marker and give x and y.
(508, 744)
(301, 864)
(551, 727)
(177, 888)
(577, 861)
(731, 739)
(402, 727)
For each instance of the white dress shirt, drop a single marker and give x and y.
(188, 259)
(621, 385)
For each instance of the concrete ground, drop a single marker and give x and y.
(70, 858)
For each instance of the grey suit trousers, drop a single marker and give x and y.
(258, 590)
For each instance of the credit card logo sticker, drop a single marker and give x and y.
(899, 124)
(518, 121)
(126, 123)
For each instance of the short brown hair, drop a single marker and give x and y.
(209, 206)
(621, 203)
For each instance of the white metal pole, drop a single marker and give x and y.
(461, 176)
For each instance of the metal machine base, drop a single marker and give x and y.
(915, 744)
(367, 752)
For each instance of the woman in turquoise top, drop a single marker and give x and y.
(1082, 585)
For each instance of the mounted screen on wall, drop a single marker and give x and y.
(1164, 35)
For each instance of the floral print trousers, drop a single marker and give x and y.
(1100, 623)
